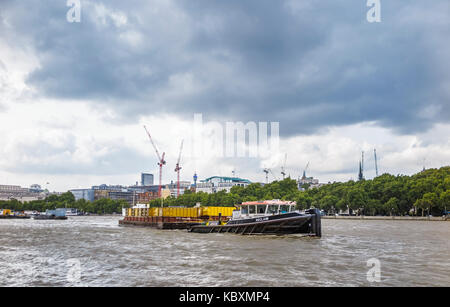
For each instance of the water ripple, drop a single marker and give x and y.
(36, 253)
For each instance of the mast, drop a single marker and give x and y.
(376, 163)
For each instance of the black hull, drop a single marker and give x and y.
(291, 223)
(13, 217)
(49, 217)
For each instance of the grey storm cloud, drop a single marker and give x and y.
(43, 157)
(306, 64)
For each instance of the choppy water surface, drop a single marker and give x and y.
(49, 253)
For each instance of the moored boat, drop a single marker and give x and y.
(58, 214)
(267, 217)
(9, 214)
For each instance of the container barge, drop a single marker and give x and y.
(260, 217)
(174, 217)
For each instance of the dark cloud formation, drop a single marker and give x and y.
(307, 64)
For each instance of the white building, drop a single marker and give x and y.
(311, 182)
(174, 188)
(218, 183)
(8, 192)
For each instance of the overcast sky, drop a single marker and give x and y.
(74, 96)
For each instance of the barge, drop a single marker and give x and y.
(57, 214)
(273, 217)
(173, 217)
(14, 216)
(9, 214)
(261, 217)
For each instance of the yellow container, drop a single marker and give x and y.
(152, 211)
(178, 212)
(6, 212)
(214, 211)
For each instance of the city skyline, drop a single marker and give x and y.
(75, 95)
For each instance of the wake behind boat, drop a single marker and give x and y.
(267, 217)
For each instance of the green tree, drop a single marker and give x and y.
(391, 206)
(430, 200)
(329, 203)
(445, 200)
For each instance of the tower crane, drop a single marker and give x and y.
(161, 163)
(283, 168)
(273, 175)
(178, 168)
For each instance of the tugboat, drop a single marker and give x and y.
(267, 217)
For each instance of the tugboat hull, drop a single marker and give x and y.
(49, 217)
(14, 216)
(290, 223)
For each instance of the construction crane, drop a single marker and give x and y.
(273, 175)
(283, 168)
(161, 163)
(178, 168)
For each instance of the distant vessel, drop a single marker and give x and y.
(57, 214)
(8, 214)
(267, 217)
(73, 212)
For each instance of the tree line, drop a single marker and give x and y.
(67, 200)
(427, 192)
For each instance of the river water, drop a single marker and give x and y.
(95, 251)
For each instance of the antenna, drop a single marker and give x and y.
(178, 168)
(362, 161)
(376, 163)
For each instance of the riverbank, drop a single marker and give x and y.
(389, 218)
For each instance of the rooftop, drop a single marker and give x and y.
(227, 179)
